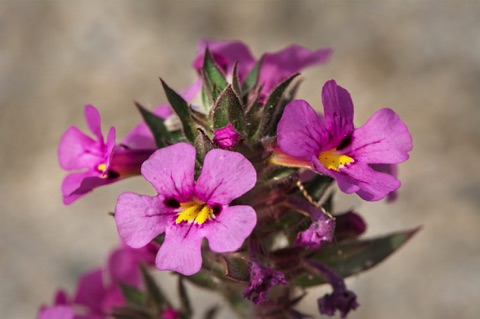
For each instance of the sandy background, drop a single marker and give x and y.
(420, 57)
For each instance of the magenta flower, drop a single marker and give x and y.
(99, 291)
(275, 67)
(331, 145)
(187, 211)
(98, 161)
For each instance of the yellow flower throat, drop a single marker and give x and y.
(194, 211)
(334, 161)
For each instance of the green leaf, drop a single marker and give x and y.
(181, 107)
(205, 279)
(133, 296)
(353, 257)
(211, 312)
(252, 77)
(228, 110)
(273, 108)
(156, 125)
(213, 74)
(236, 81)
(203, 144)
(185, 303)
(154, 293)
(237, 268)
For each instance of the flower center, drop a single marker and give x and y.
(334, 161)
(102, 169)
(195, 211)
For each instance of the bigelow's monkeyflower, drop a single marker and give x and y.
(188, 211)
(329, 144)
(97, 161)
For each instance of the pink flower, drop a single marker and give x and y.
(275, 67)
(330, 144)
(187, 211)
(94, 161)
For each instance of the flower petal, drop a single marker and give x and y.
(278, 66)
(372, 185)
(338, 108)
(140, 218)
(170, 171)
(90, 290)
(300, 132)
(383, 139)
(71, 184)
(180, 250)
(230, 229)
(78, 150)
(56, 312)
(225, 176)
(92, 116)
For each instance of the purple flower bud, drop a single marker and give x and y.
(340, 299)
(261, 280)
(226, 137)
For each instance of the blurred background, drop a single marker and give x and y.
(421, 58)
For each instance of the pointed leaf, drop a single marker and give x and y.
(213, 74)
(203, 144)
(133, 296)
(156, 126)
(349, 258)
(236, 81)
(228, 110)
(205, 279)
(252, 77)
(181, 107)
(273, 108)
(185, 303)
(237, 268)
(211, 312)
(154, 293)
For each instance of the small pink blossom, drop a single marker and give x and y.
(188, 211)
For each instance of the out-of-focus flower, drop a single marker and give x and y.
(330, 144)
(94, 161)
(275, 67)
(188, 211)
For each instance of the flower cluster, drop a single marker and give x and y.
(245, 185)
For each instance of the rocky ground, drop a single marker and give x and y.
(421, 58)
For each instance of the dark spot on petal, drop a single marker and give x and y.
(112, 174)
(345, 142)
(217, 209)
(171, 202)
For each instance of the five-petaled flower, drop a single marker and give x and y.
(99, 161)
(330, 144)
(188, 211)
